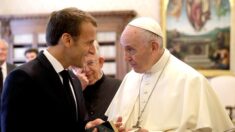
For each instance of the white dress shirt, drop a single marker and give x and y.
(58, 68)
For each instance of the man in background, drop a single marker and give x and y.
(162, 93)
(98, 88)
(30, 54)
(5, 67)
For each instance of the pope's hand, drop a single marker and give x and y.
(137, 130)
(143, 130)
(119, 125)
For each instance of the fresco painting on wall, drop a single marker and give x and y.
(198, 32)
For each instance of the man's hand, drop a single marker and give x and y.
(94, 123)
(81, 76)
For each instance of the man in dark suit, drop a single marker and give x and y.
(5, 67)
(36, 96)
(98, 88)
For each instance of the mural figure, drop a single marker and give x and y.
(198, 32)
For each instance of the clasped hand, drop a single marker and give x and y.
(118, 124)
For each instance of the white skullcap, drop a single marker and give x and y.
(148, 24)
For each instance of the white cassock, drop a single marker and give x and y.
(182, 100)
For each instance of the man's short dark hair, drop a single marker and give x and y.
(67, 20)
(30, 50)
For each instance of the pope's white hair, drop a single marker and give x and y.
(152, 36)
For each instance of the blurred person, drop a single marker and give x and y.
(162, 93)
(42, 95)
(5, 67)
(98, 89)
(30, 54)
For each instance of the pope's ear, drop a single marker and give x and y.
(66, 39)
(155, 45)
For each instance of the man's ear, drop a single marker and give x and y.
(155, 46)
(101, 61)
(66, 39)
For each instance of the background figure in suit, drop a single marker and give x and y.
(5, 67)
(35, 97)
(98, 89)
(30, 54)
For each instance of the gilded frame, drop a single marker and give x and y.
(207, 72)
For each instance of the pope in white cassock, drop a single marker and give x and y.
(162, 93)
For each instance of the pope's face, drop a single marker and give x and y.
(138, 52)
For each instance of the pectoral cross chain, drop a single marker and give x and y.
(137, 125)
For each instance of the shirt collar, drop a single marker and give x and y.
(4, 65)
(54, 62)
(160, 63)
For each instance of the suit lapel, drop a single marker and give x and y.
(53, 77)
(55, 84)
(79, 96)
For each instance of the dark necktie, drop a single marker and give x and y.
(67, 88)
(1, 80)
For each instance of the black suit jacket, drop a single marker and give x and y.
(34, 100)
(10, 67)
(99, 95)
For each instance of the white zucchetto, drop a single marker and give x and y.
(148, 24)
